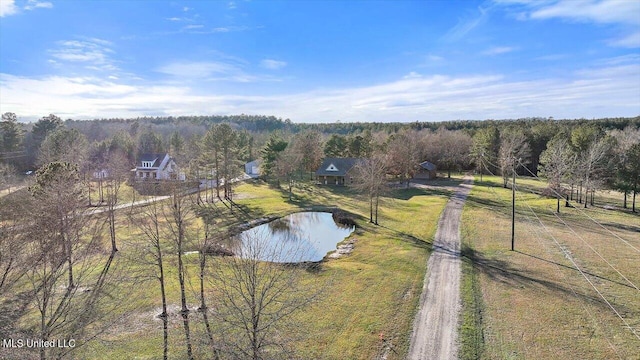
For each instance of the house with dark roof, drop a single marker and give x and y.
(336, 171)
(426, 170)
(157, 167)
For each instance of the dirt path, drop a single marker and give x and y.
(13, 189)
(435, 326)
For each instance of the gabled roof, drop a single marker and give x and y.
(428, 166)
(340, 165)
(256, 162)
(156, 158)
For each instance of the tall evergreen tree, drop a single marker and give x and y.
(11, 134)
(270, 153)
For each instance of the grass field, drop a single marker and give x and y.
(568, 291)
(369, 294)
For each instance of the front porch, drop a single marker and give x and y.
(331, 180)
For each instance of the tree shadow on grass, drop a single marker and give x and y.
(619, 226)
(408, 193)
(576, 270)
(406, 237)
(503, 272)
(496, 205)
(12, 309)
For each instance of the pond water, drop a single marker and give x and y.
(305, 236)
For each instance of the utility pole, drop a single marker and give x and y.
(481, 165)
(513, 207)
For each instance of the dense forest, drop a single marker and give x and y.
(582, 154)
(60, 234)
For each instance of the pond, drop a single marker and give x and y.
(304, 236)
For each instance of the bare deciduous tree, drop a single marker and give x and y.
(257, 296)
(117, 169)
(309, 147)
(178, 217)
(514, 151)
(287, 164)
(63, 240)
(557, 162)
(369, 177)
(148, 221)
(591, 164)
(404, 154)
(625, 140)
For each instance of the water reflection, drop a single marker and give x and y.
(305, 236)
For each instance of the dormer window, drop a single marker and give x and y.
(332, 168)
(147, 164)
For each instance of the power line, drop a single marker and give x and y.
(593, 317)
(537, 236)
(594, 250)
(570, 258)
(583, 213)
(590, 247)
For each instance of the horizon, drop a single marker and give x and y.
(321, 62)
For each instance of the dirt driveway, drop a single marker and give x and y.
(435, 326)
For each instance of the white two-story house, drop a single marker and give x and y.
(157, 167)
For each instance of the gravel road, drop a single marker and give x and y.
(435, 328)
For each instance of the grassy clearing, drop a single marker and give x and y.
(370, 294)
(535, 304)
(126, 195)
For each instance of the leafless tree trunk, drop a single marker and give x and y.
(404, 153)
(591, 166)
(257, 297)
(514, 149)
(117, 171)
(286, 165)
(202, 254)
(149, 223)
(177, 218)
(62, 240)
(369, 177)
(308, 146)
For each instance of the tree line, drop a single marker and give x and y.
(61, 260)
(223, 143)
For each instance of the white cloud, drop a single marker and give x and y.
(231, 5)
(34, 4)
(497, 50)
(190, 27)
(7, 7)
(466, 25)
(609, 89)
(94, 52)
(272, 64)
(600, 11)
(412, 75)
(197, 70)
(630, 41)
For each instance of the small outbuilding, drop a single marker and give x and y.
(252, 168)
(426, 171)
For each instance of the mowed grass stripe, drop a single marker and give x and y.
(530, 310)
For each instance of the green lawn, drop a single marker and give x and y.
(371, 293)
(533, 303)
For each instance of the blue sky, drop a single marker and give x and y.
(321, 61)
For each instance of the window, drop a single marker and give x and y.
(332, 168)
(147, 164)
